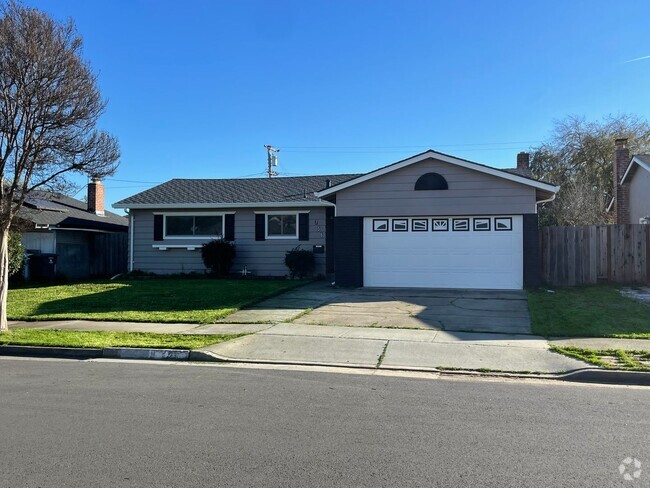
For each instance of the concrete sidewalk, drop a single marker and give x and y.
(395, 349)
(370, 347)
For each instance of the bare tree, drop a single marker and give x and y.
(578, 156)
(49, 108)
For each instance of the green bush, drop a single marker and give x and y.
(300, 262)
(16, 253)
(218, 256)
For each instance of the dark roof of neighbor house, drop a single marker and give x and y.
(56, 210)
(237, 190)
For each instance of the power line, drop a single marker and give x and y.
(413, 145)
(133, 181)
(394, 152)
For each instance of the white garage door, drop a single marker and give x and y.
(444, 252)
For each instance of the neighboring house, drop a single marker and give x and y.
(631, 201)
(87, 240)
(431, 220)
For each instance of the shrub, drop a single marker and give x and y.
(16, 253)
(218, 256)
(300, 262)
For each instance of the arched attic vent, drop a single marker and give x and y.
(431, 181)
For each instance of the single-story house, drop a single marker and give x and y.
(431, 220)
(630, 203)
(88, 241)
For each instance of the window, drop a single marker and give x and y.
(431, 181)
(503, 223)
(481, 224)
(400, 225)
(380, 225)
(282, 226)
(460, 224)
(420, 225)
(193, 226)
(440, 225)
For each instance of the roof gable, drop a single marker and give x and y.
(640, 160)
(501, 173)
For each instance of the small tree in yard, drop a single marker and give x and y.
(218, 256)
(49, 108)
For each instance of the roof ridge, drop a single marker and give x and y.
(264, 177)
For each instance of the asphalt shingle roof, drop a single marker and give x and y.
(242, 190)
(54, 209)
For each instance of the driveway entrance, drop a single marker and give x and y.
(494, 311)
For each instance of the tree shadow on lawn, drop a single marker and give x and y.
(159, 300)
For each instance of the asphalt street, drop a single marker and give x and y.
(106, 424)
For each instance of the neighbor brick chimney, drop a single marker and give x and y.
(621, 192)
(523, 160)
(96, 197)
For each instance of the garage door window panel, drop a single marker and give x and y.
(400, 225)
(460, 225)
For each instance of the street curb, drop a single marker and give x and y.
(96, 353)
(146, 353)
(586, 375)
(51, 352)
(608, 376)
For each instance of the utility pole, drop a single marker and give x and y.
(272, 159)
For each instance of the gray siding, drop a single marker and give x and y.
(469, 193)
(639, 195)
(263, 258)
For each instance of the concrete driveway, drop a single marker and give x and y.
(455, 310)
(452, 310)
(409, 308)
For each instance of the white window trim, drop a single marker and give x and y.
(266, 225)
(194, 214)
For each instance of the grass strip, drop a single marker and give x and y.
(625, 360)
(100, 339)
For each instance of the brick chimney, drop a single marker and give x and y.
(621, 192)
(523, 161)
(96, 197)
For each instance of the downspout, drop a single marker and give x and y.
(544, 201)
(131, 219)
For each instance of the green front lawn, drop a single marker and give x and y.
(100, 339)
(588, 311)
(149, 300)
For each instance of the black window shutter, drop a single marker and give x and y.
(158, 227)
(303, 227)
(259, 227)
(229, 232)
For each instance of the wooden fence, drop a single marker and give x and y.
(594, 253)
(109, 254)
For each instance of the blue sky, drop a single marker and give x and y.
(196, 88)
